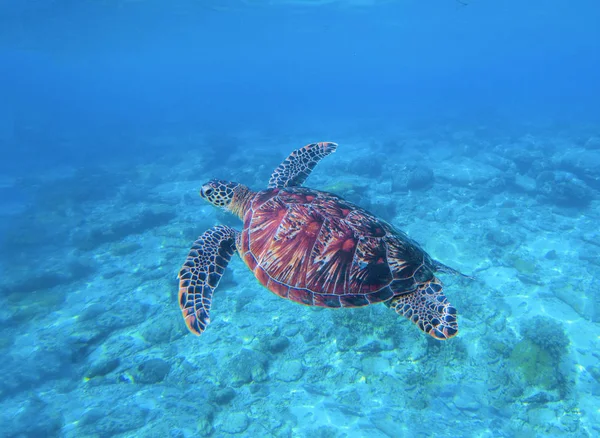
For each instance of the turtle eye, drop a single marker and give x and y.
(206, 192)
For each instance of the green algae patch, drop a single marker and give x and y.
(523, 265)
(339, 187)
(535, 364)
(125, 248)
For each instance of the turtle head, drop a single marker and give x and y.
(219, 192)
(227, 195)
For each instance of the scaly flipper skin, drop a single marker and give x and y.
(429, 309)
(295, 169)
(201, 273)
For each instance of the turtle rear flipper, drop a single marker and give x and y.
(429, 309)
(297, 166)
(201, 273)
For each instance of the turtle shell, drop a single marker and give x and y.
(317, 249)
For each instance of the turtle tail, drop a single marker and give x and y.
(440, 267)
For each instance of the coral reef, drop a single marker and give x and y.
(563, 189)
(89, 311)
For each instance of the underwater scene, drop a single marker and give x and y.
(299, 218)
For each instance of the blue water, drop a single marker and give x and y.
(472, 126)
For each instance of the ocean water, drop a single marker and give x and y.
(473, 126)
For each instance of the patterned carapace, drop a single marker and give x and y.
(317, 249)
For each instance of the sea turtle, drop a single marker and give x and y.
(314, 248)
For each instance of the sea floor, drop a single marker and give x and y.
(93, 343)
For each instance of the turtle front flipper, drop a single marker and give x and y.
(201, 273)
(429, 309)
(295, 169)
